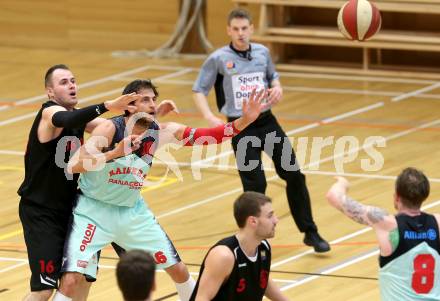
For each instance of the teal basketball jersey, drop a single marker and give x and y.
(413, 276)
(412, 271)
(120, 181)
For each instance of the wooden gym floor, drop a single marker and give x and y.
(196, 210)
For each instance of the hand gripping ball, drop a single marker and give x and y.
(359, 20)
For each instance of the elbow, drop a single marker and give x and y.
(333, 198)
(329, 195)
(199, 95)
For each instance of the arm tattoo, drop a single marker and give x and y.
(354, 210)
(376, 215)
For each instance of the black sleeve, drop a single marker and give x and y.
(77, 118)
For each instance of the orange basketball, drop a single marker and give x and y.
(359, 20)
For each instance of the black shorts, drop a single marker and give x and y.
(44, 231)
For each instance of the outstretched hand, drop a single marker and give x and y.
(123, 103)
(253, 107)
(165, 107)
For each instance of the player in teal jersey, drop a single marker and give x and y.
(409, 241)
(113, 165)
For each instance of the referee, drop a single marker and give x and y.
(234, 71)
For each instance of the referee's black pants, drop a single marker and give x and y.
(265, 134)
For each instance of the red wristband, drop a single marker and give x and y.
(234, 129)
(200, 136)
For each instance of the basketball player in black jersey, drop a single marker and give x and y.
(237, 267)
(47, 192)
(409, 242)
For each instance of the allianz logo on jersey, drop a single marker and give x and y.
(430, 235)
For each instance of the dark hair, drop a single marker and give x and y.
(50, 71)
(412, 186)
(135, 275)
(144, 123)
(139, 84)
(136, 86)
(249, 203)
(239, 13)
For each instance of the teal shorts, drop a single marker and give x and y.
(96, 224)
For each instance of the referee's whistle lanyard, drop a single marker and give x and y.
(246, 54)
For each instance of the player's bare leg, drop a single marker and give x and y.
(83, 290)
(70, 283)
(38, 296)
(184, 282)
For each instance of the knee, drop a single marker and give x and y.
(70, 283)
(178, 272)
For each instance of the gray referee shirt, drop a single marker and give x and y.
(234, 76)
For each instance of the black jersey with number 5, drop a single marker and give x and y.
(249, 277)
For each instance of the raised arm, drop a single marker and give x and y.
(218, 266)
(59, 117)
(194, 136)
(362, 214)
(55, 117)
(117, 105)
(384, 224)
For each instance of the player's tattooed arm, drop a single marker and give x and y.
(366, 215)
(353, 210)
(376, 215)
